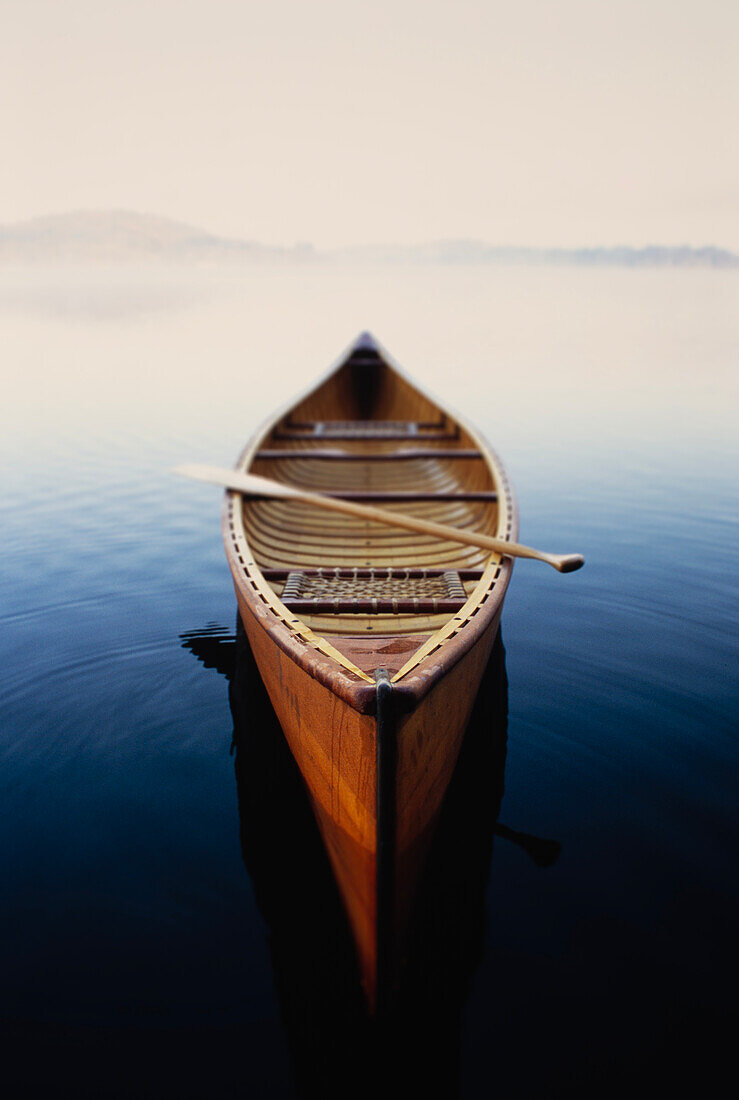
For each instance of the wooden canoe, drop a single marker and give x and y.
(371, 641)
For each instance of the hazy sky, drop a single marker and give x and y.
(524, 121)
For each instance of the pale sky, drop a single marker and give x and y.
(518, 122)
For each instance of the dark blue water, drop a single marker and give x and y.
(168, 925)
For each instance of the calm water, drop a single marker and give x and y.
(168, 927)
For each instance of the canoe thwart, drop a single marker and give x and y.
(326, 427)
(376, 571)
(402, 495)
(269, 454)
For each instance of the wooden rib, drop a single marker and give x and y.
(394, 552)
(348, 463)
(476, 514)
(422, 476)
(354, 538)
(309, 520)
(299, 535)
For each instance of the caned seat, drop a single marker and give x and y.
(381, 591)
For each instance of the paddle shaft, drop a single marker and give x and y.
(252, 485)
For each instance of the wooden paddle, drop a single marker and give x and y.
(251, 485)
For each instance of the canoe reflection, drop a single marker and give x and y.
(334, 1044)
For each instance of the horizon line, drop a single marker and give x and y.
(305, 245)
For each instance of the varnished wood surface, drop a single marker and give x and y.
(349, 503)
(335, 749)
(329, 1036)
(319, 669)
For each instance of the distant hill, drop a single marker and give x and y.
(122, 236)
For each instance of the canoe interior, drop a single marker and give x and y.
(328, 601)
(367, 432)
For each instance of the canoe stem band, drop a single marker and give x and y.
(386, 828)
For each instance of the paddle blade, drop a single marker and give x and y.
(200, 473)
(237, 481)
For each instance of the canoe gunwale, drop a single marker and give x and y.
(312, 652)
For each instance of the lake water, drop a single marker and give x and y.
(150, 926)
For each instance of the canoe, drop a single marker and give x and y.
(371, 640)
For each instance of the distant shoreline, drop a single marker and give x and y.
(119, 237)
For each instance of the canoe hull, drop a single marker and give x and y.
(372, 640)
(336, 749)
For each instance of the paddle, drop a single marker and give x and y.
(251, 485)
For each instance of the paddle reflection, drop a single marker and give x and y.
(334, 1044)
